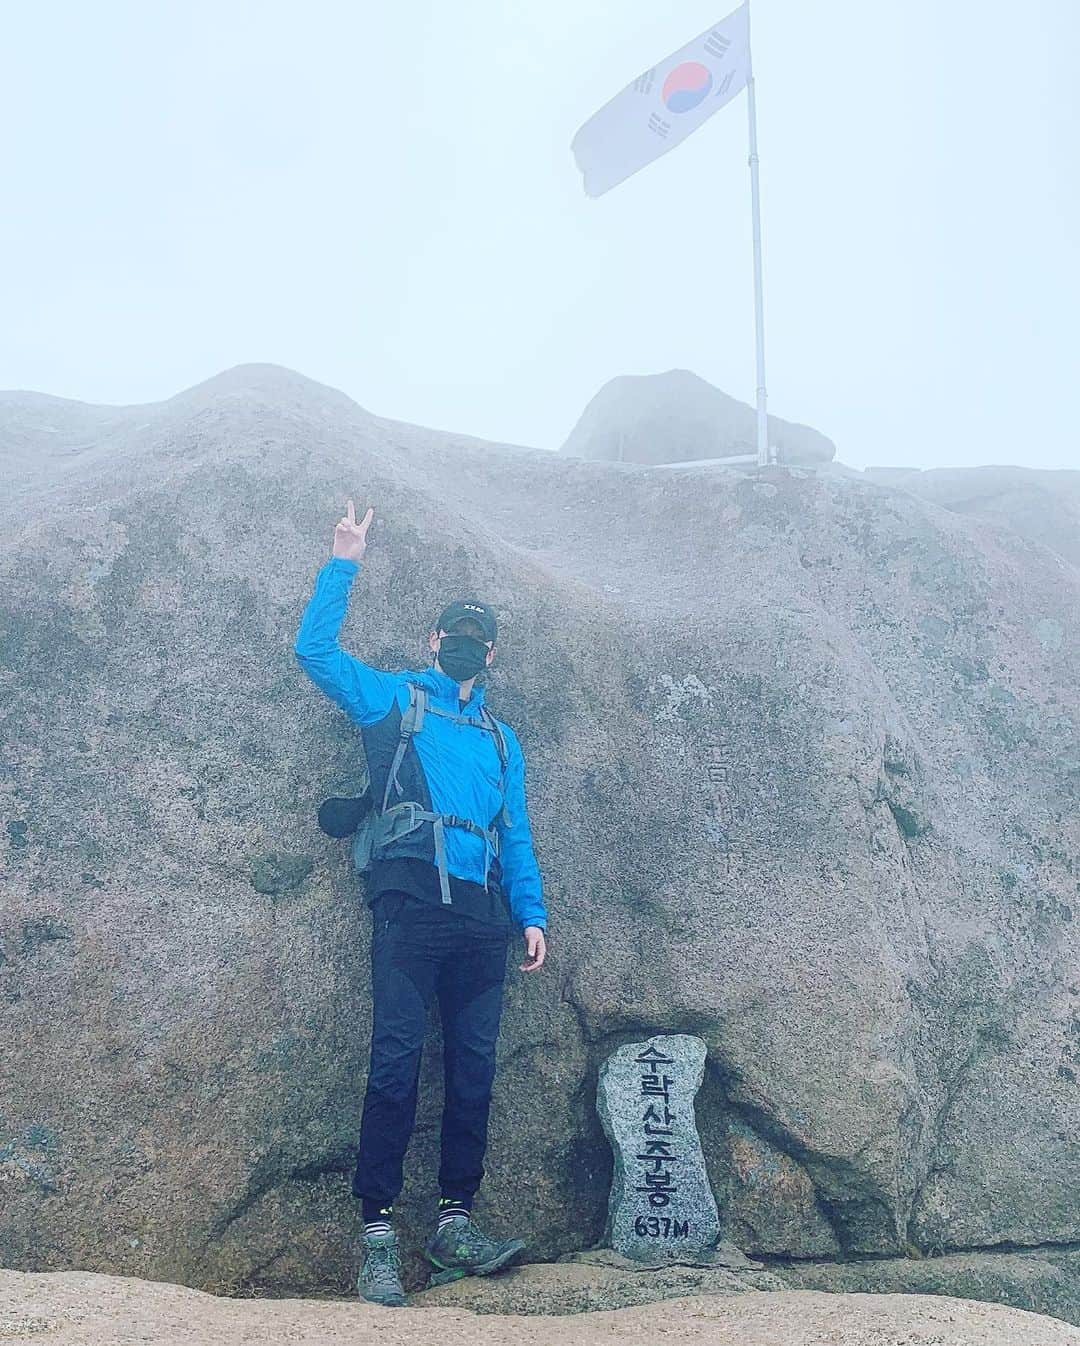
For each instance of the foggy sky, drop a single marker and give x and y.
(383, 198)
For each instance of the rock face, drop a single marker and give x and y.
(803, 769)
(661, 1205)
(1042, 506)
(1040, 1280)
(673, 417)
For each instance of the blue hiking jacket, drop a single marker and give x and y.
(460, 764)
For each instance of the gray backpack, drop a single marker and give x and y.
(373, 829)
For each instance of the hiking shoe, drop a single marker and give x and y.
(379, 1281)
(459, 1248)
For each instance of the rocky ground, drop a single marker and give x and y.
(83, 1309)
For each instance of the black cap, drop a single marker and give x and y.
(481, 613)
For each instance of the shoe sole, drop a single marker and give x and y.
(509, 1250)
(445, 1277)
(394, 1303)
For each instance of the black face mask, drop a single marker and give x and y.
(461, 657)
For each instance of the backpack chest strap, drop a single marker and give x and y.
(411, 723)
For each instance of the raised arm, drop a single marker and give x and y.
(363, 692)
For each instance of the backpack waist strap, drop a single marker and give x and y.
(400, 819)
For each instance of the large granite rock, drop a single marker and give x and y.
(804, 771)
(1042, 506)
(678, 416)
(1040, 1280)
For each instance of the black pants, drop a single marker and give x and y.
(420, 950)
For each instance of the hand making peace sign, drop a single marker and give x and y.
(350, 537)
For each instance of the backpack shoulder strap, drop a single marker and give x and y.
(412, 720)
(500, 748)
(496, 734)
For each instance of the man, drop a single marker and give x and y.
(446, 887)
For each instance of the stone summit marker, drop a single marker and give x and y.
(661, 1206)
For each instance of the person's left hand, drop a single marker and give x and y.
(535, 948)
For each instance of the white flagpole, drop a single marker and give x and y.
(759, 313)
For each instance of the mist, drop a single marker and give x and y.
(384, 198)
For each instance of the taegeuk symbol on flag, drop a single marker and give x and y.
(665, 104)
